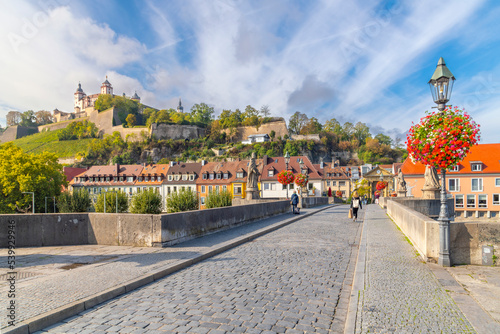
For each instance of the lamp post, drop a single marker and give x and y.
(287, 161)
(301, 164)
(33, 199)
(441, 84)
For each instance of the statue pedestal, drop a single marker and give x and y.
(430, 193)
(252, 193)
(401, 193)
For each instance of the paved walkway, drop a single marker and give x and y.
(296, 279)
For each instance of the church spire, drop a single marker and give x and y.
(180, 108)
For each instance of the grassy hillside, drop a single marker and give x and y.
(47, 141)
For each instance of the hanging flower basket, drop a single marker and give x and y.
(381, 185)
(377, 193)
(285, 177)
(394, 194)
(301, 180)
(442, 138)
(338, 193)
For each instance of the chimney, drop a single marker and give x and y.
(321, 164)
(172, 163)
(117, 168)
(264, 160)
(203, 162)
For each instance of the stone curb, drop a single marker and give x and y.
(52, 317)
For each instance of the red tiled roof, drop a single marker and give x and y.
(71, 172)
(487, 154)
(278, 164)
(153, 170)
(339, 173)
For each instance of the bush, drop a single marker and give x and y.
(218, 199)
(183, 200)
(111, 202)
(148, 201)
(78, 201)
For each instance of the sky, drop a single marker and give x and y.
(356, 61)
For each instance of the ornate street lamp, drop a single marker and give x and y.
(441, 85)
(287, 161)
(301, 164)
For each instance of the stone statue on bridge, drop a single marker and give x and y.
(252, 191)
(431, 183)
(401, 184)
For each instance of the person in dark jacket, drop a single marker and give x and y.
(295, 201)
(355, 205)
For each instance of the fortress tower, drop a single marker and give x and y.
(106, 87)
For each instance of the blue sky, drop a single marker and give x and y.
(366, 61)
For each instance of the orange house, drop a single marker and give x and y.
(474, 183)
(215, 176)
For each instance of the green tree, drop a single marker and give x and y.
(111, 199)
(297, 122)
(131, 120)
(78, 130)
(361, 132)
(218, 199)
(312, 126)
(202, 114)
(28, 118)
(13, 118)
(21, 172)
(347, 131)
(148, 201)
(383, 139)
(272, 134)
(334, 126)
(77, 201)
(183, 200)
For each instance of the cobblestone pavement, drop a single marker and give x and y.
(53, 287)
(290, 280)
(401, 294)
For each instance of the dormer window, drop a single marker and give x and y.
(205, 176)
(270, 172)
(476, 167)
(158, 179)
(140, 178)
(455, 168)
(170, 177)
(219, 176)
(191, 177)
(226, 176)
(239, 175)
(146, 178)
(211, 176)
(184, 177)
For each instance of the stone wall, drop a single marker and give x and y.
(428, 207)
(59, 125)
(103, 120)
(243, 132)
(37, 230)
(466, 238)
(16, 132)
(309, 202)
(174, 131)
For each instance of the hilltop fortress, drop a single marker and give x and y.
(108, 121)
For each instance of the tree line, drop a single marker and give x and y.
(29, 118)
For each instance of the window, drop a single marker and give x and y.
(471, 201)
(477, 184)
(184, 177)
(270, 172)
(237, 189)
(130, 179)
(290, 186)
(476, 167)
(341, 183)
(496, 199)
(202, 200)
(175, 189)
(224, 188)
(266, 186)
(146, 178)
(95, 191)
(226, 176)
(203, 189)
(497, 182)
(130, 191)
(455, 168)
(239, 175)
(482, 201)
(107, 178)
(191, 177)
(158, 178)
(216, 189)
(211, 176)
(459, 201)
(205, 176)
(284, 187)
(183, 188)
(327, 183)
(168, 190)
(177, 177)
(219, 176)
(310, 185)
(334, 183)
(454, 184)
(209, 189)
(170, 177)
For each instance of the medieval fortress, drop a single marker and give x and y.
(108, 122)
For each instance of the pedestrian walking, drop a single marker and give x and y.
(295, 201)
(355, 205)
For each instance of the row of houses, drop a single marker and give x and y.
(204, 177)
(474, 183)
